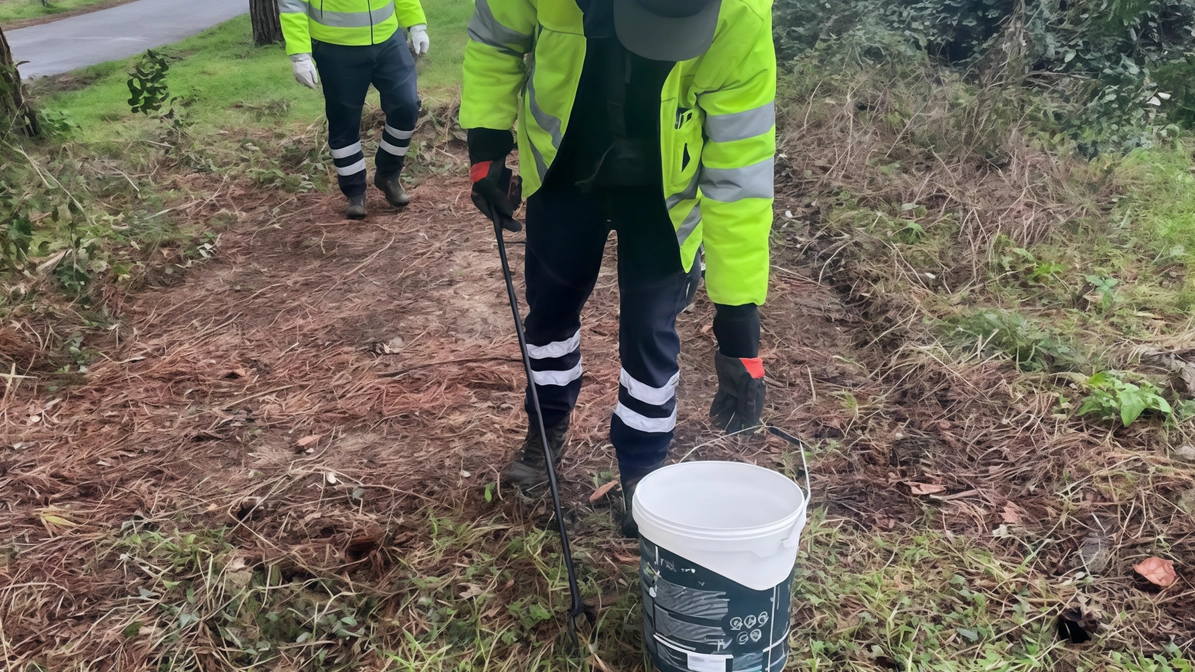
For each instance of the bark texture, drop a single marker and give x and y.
(15, 113)
(267, 29)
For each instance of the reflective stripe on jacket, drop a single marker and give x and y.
(353, 23)
(717, 123)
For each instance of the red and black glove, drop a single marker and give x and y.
(739, 402)
(497, 192)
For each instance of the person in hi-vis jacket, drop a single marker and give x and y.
(656, 119)
(347, 45)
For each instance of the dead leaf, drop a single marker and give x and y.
(626, 559)
(1157, 571)
(926, 488)
(470, 591)
(391, 347)
(307, 440)
(601, 491)
(236, 373)
(1010, 515)
(238, 573)
(54, 522)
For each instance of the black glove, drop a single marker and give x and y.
(740, 397)
(497, 192)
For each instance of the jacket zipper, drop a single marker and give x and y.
(369, 6)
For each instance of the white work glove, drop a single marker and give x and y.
(304, 68)
(419, 42)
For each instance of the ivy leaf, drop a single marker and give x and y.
(538, 613)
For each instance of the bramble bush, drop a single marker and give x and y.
(1116, 74)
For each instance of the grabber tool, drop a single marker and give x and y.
(578, 607)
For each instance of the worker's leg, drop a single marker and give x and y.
(394, 78)
(566, 234)
(344, 73)
(654, 289)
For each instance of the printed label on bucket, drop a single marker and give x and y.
(695, 620)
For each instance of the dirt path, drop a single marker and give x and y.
(324, 407)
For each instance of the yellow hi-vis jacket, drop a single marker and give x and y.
(353, 23)
(717, 123)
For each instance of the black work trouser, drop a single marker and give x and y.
(566, 237)
(346, 73)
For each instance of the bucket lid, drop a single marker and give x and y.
(719, 501)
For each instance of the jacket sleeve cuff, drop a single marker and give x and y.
(488, 144)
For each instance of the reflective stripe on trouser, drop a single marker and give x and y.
(346, 73)
(566, 236)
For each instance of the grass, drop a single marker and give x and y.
(12, 11)
(1159, 202)
(864, 601)
(224, 82)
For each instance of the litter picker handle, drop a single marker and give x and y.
(578, 607)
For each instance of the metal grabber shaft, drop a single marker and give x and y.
(578, 607)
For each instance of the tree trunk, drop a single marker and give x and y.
(267, 29)
(14, 111)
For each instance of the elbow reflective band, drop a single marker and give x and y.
(485, 29)
(728, 185)
(741, 125)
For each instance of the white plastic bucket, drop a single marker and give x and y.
(718, 543)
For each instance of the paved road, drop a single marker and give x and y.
(115, 33)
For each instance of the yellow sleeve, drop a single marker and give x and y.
(737, 177)
(501, 33)
(293, 15)
(409, 13)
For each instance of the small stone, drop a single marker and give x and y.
(1186, 502)
(1185, 453)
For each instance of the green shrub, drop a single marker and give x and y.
(1031, 346)
(1111, 396)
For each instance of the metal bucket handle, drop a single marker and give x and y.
(795, 538)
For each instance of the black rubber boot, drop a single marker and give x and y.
(530, 471)
(626, 522)
(391, 186)
(356, 207)
(630, 529)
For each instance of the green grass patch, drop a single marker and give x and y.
(1158, 206)
(21, 10)
(222, 81)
